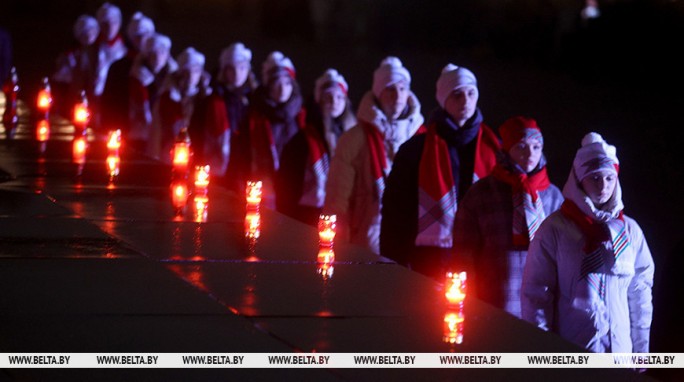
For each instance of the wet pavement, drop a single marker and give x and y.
(90, 264)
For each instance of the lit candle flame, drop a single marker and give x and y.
(254, 193)
(455, 287)
(44, 100)
(79, 150)
(179, 194)
(43, 130)
(113, 164)
(114, 141)
(202, 178)
(327, 227)
(81, 114)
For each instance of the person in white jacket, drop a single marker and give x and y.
(388, 116)
(589, 271)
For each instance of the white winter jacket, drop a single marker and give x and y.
(556, 298)
(350, 189)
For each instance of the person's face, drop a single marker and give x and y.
(110, 27)
(393, 99)
(527, 153)
(599, 186)
(281, 89)
(333, 102)
(190, 77)
(88, 36)
(236, 74)
(139, 39)
(157, 58)
(462, 103)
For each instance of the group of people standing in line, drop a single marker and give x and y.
(443, 194)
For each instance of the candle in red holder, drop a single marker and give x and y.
(81, 115)
(327, 227)
(44, 100)
(455, 287)
(453, 326)
(325, 262)
(179, 195)
(253, 193)
(43, 130)
(79, 150)
(113, 165)
(201, 179)
(181, 154)
(114, 141)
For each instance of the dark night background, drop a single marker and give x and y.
(620, 75)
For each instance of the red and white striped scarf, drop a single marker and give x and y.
(528, 209)
(604, 243)
(437, 196)
(378, 157)
(316, 172)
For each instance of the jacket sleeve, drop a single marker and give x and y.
(540, 278)
(340, 184)
(639, 294)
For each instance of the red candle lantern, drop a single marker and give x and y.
(81, 116)
(113, 158)
(179, 195)
(455, 287)
(253, 195)
(44, 99)
(181, 154)
(79, 150)
(327, 227)
(43, 130)
(201, 179)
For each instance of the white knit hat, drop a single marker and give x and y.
(329, 79)
(157, 41)
(390, 71)
(595, 155)
(236, 52)
(139, 24)
(189, 58)
(85, 23)
(108, 11)
(276, 63)
(453, 77)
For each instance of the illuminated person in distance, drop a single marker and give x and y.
(589, 271)
(300, 181)
(432, 172)
(388, 115)
(499, 215)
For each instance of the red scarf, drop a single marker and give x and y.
(378, 157)
(594, 232)
(528, 210)
(316, 171)
(437, 193)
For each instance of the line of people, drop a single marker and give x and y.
(446, 194)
